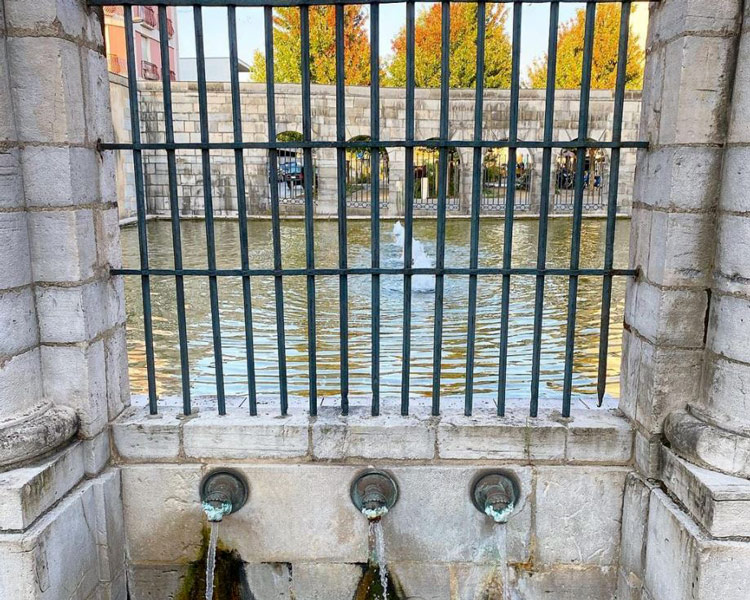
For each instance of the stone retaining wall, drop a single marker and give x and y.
(289, 118)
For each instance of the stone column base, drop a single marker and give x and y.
(61, 536)
(707, 445)
(38, 435)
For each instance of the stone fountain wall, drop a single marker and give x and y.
(392, 114)
(648, 501)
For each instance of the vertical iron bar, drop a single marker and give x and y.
(476, 191)
(309, 208)
(174, 208)
(213, 287)
(275, 225)
(140, 196)
(541, 254)
(341, 188)
(437, 350)
(408, 205)
(575, 244)
(515, 85)
(375, 200)
(239, 167)
(614, 181)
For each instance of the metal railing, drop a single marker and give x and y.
(443, 146)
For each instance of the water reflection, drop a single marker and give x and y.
(455, 320)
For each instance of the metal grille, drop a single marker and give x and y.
(445, 150)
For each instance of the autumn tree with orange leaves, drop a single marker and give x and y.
(287, 47)
(604, 60)
(463, 48)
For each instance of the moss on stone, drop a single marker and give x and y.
(370, 588)
(230, 582)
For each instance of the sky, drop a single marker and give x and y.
(250, 36)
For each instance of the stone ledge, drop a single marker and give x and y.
(27, 492)
(589, 436)
(719, 503)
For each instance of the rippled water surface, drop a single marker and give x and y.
(202, 372)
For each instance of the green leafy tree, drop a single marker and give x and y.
(287, 47)
(604, 60)
(463, 50)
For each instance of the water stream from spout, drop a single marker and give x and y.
(420, 260)
(502, 569)
(211, 559)
(377, 553)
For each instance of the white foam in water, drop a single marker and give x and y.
(211, 560)
(419, 260)
(377, 553)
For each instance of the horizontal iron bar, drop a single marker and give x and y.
(432, 143)
(373, 271)
(304, 2)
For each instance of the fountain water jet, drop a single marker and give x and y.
(419, 260)
(222, 492)
(496, 495)
(374, 493)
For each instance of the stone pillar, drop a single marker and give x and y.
(687, 93)
(63, 364)
(715, 432)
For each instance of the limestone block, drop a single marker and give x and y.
(698, 567)
(656, 380)
(722, 401)
(732, 253)
(578, 514)
(696, 81)
(739, 130)
(728, 334)
(598, 436)
(30, 563)
(634, 522)
(63, 245)
(20, 384)
(27, 492)
(566, 583)
(325, 581)
(363, 436)
(96, 453)
(238, 435)
(719, 503)
(75, 376)
(72, 314)
(141, 436)
(693, 17)
(516, 437)
(162, 512)
(736, 180)
(428, 581)
(96, 95)
(67, 15)
(468, 535)
(56, 176)
(667, 316)
(47, 70)
(680, 249)
(154, 582)
(11, 187)
(15, 269)
(18, 328)
(116, 364)
(270, 580)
